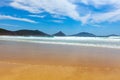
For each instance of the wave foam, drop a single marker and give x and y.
(107, 42)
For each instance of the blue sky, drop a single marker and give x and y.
(100, 17)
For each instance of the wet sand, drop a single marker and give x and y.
(31, 61)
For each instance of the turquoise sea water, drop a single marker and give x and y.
(107, 42)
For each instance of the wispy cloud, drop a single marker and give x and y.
(106, 17)
(16, 18)
(98, 3)
(57, 7)
(38, 16)
(58, 16)
(9, 25)
(5, 2)
(69, 8)
(112, 15)
(57, 21)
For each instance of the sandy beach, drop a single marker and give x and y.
(32, 61)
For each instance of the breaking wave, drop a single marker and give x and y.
(107, 42)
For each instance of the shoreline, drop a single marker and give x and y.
(58, 54)
(63, 43)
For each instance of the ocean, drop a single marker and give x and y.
(107, 42)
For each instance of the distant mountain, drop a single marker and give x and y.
(113, 35)
(6, 32)
(23, 33)
(84, 34)
(109, 35)
(60, 33)
(40, 33)
(30, 33)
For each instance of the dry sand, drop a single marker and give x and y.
(28, 61)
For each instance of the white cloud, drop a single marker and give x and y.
(57, 21)
(38, 16)
(4, 2)
(16, 18)
(9, 25)
(113, 15)
(98, 3)
(108, 17)
(58, 16)
(69, 8)
(57, 7)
